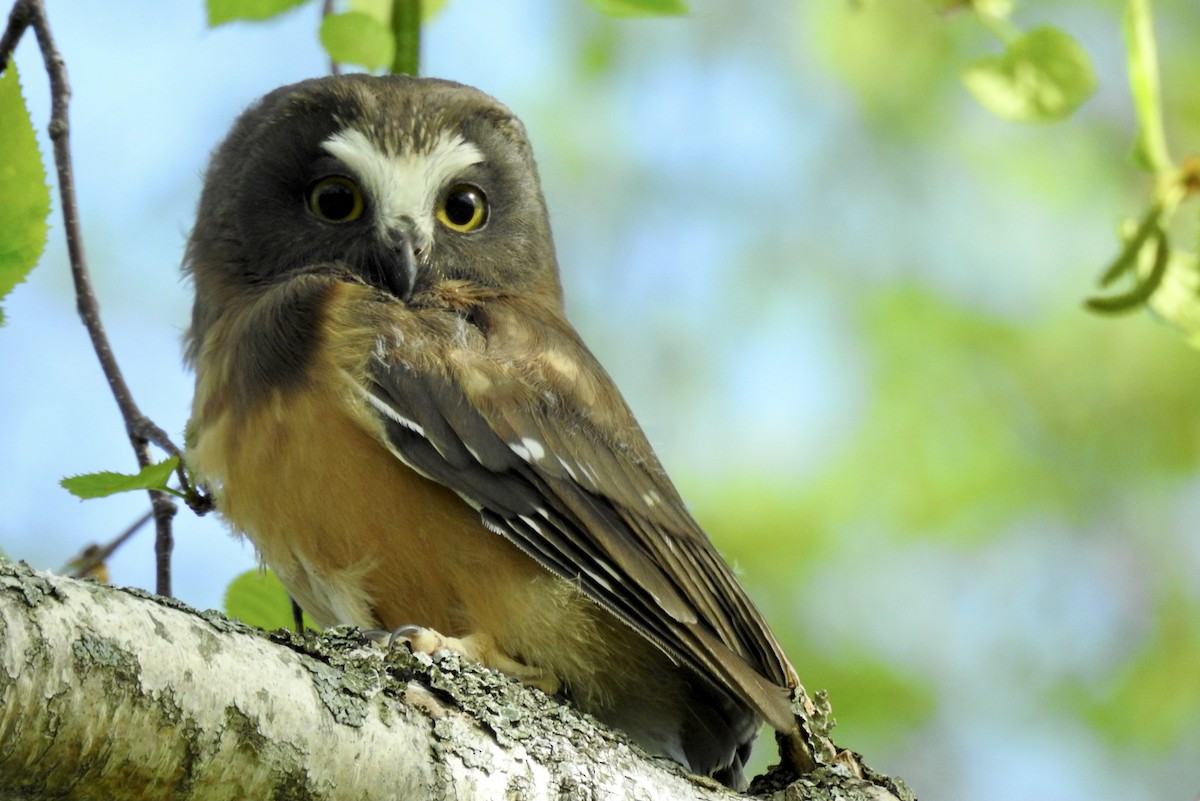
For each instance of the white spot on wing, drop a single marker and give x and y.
(389, 412)
(570, 470)
(603, 582)
(534, 524)
(529, 449)
(651, 498)
(535, 448)
(404, 184)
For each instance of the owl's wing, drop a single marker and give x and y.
(525, 426)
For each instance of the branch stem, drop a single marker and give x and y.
(1151, 145)
(32, 14)
(406, 32)
(93, 555)
(326, 10)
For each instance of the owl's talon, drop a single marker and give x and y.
(419, 637)
(428, 641)
(478, 648)
(406, 633)
(378, 636)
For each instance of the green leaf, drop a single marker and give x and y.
(357, 38)
(22, 185)
(258, 599)
(1043, 76)
(100, 485)
(640, 8)
(222, 11)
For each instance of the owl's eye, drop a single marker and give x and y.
(335, 198)
(463, 208)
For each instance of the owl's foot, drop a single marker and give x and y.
(478, 647)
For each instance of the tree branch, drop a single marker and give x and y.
(326, 10)
(141, 430)
(114, 693)
(91, 559)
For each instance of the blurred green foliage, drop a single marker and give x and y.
(357, 38)
(1042, 76)
(899, 58)
(257, 598)
(975, 422)
(978, 422)
(639, 8)
(976, 418)
(1151, 702)
(378, 34)
(223, 11)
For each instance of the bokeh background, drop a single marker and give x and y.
(843, 300)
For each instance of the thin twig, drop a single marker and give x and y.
(18, 21)
(94, 555)
(32, 13)
(326, 10)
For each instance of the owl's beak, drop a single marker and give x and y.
(393, 270)
(403, 276)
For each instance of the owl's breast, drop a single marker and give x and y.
(355, 535)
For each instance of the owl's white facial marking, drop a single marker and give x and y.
(406, 184)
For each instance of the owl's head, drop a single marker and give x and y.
(403, 182)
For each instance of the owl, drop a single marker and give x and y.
(392, 406)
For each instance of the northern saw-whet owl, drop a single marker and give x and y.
(391, 404)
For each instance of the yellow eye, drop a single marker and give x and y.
(463, 208)
(335, 198)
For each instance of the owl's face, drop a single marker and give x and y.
(402, 182)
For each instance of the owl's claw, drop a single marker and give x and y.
(477, 647)
(428, 641)
(380, 637)
(406, 633)
(419, 638)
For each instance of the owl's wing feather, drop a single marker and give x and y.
(577, 487)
